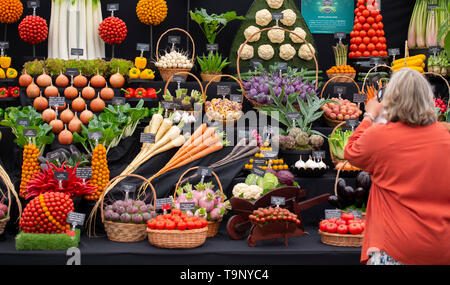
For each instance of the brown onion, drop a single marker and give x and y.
(25, 79)
(97, 105)
(61, 80)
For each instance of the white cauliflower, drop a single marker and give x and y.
(250, 31)
(263, 17)
(239, 189)
(276, 36)
(247, 52)
(298, 31)
(274, 4)
(305, 53)
(255, 191)
(266, 52)
(289, 17)
(287, 52)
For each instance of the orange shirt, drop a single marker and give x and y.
(408, 212)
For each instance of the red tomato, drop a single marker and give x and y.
(340, 222)
(366, 40)
(342, 229)
(198, 224)
(380, 25)
(356, 11)
(361, 2)
(370, 20)
(366, 27)
(380, 33)
(384, 46)
(176, 212)
(352, 34)
(383, 53)
(378, 18)
(362, 47)
(159, 217)
(323, 226)
(379, 46)
(204, 223)
(191, 225)
(375, 26)
(151, 224)
(356, 33)
(358, 41)
(374, 13)
(333, 220)
(358, 27)
(363, 34)
(374, 39)
(351, 54)
(181, 226)
(371, 33)
(347, 216)
(371, 47)
(361, 8)
(354, 229)
(366, 13)
(358, 54)
(160, 225)
(363, 225)
(170, 225)
(331, 227)
(361, 19)
(382, 40)
(352, 40)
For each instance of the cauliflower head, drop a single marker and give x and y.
(263, 17)
(247, 52)
(298, 31)
(266, 52)
(305, 53)
(287, 52)
(239, 189)
(289, 17)
(275, 4)
(255, 191)
(250, 31)
(276, 36)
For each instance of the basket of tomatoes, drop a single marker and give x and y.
(177, 230)
(346, 231)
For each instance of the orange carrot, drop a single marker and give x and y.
(198, 133)
(216, 147)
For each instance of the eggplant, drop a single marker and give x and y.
(349, 194)
(360, 193)
(340, 187)
(358, 202)
(335, 202)
(363, 180)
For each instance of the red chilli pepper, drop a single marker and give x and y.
(129, 92)
(151, 93)
(14, 91)
(3, 92)
(141, 92)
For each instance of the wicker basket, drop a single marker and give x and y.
(122, 232)
(167, 73)
(213, 227)
(217, 79)
(342, 77)
(334, 159)
(441, 117)
(253, 102)
(176, 238)
(185, 73)
(210, 77)
(346, 240)
(364, 86)
(3, 223)
(10, 190)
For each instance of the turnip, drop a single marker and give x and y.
(125, 218)
(115, 217)
(190, 197)
(201, 213)
(146, 216)
(108, 214)
(143, 208)
(207, 202)
(139, 203)
(120, 210)
(217, 213)
(132, 209)
(198, 195)
(137, 218)
(109, 208)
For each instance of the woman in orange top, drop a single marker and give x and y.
(408, 212)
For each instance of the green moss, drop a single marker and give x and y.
(27, 241)
(251, 21)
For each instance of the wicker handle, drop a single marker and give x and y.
(336, 77)
(337, 177)
(175, 29)
(225, 75)
(283, 29)
(332, 133)
(195, 168)
(372, 69)
(445, 80)
(10, 190)
(185, 73)
(102, 198)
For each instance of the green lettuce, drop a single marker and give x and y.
(338, 142)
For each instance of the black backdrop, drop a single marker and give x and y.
(396, 15)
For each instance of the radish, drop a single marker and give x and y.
(207, 202)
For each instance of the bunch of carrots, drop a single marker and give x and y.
(372, 90)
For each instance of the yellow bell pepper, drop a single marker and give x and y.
(5, 61)
(147, 74)
(11, 73)
(134, 73)
(140, 62)
(2, 74)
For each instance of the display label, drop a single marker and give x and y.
(394, 51)
(432, 6)
(167, 105)
(236, 98)
(277, 16)
(4, 45)
(23, 122)
(61, 175)
(293, 116)
(118, 101)
(187, 207)
(147, 138)
(72, 71)
(340, 35)
(84, 172)
(259, 161)
(76, 51)
(328, 16)
(356, 213)
(278, 201)
(204, 171)
(319, 154)
(54, 155)
(281, 66)
(142, 47)
(359, 98)
(332, 214)
(223, 90)
(164, 203)
(270, 154)
(75, 218)
(179, 78)
(174, 40)
(33, 4)
(57, 101)
(340, 89)
(95, 135)
(29, 132)
(176, 105)
(352, 123)
(112, 7)
(44, 166)
(212, 47)
(258, 171)
(434, 50)
(375, 61)
(130, 188)
(255, 63)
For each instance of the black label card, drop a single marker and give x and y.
(187, 207)
(270, 154)
(332, 214)
(4, 45)
(212, 47)
(61, 175)
(163, 202)
(394, 51)
(340, 35)
(29, 132)
(319, 154)
(204, 171)
(258, 171)
(84, 172)
(174, 40)
(179, 78)
(118, 101)
(72, 71)
(167, 105)
(255, 62)
(352, 123)
(282, 66)
(128, 187)
(277, 16)
(338, 89)
(23, 122)
(434, 50)
(33, 4)
(236, 98)
(112, 7)
(359, 98)
(54, 155)
(278, 201)
(142, 47)
(293, 116)
(57, 101)
(147, 138)
(95, 135)
(76, 218)
(223, 90)
(259, 161)
(76, 51)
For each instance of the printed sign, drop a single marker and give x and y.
(33, 4)
(359, 98)
(332, 214)
(118, 101)
(57, 101)
(293, 116)
(223, 90)
(434, 50)
(179, 78)
(236, 98)
(258, 171)
(340, 35)
(142, 47)
(255, 63)
(187, 207)
(270, 154)
(352, 123)
(95, 135)
(147, 138)
(356, 213)
(167, 105)
(212, 47)
(72, 71)
(432, 6)
(204, 171)
(281, 66)
(84, 172)
(61, 175)
(279, 201)
(4, 45)
(54, 155)
(128, 187)
(23, 122)
(174, 40)
(259, 161)
(163, 202)
(328, 16)
(76, 51)
(319, 154)
(112, 7)
(29, 132)
(340, 89)
(76, 218)
(277, 16)
(394, 51)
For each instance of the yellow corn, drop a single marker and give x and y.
(402, 60)
(419, 69)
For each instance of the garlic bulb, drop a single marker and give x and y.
(311, 164)
(300, 164)
(321, 164)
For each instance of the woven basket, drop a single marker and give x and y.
(334, 159)
(10, 190)
(346, 240)
(176, 238)
(122, 232)
(3, 223)
(167, 73)
(210, 77)
(213, 227)
(185, 73)
(217, 79)
(441, 117)
(253, 102)
(364, 86)
(342, 77)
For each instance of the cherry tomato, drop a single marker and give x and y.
(382, 40)
(361, 8)
(356, 33)
(370, 20)
(362, 47)
(356, 11)
(380, 33)
(342, 229)
(358, 53)
(366, 27)
(352, 34)
(375, 53)
(363, 34)
(380, 25)
(383, 53)
(366, 40)
(384, 46)
(352, 40)
(371, 47)
(332, 228)
(354, 229)
(371, 33)
(151, 224)
(366, 13)
(353, 47)
(361, 2)
(374, 39)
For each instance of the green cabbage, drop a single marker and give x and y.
(268, 182)
(338, 142)
(251, 179)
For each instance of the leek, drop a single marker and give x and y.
(82, 28)
(72, 40)
(63, 30)
(90, 49)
